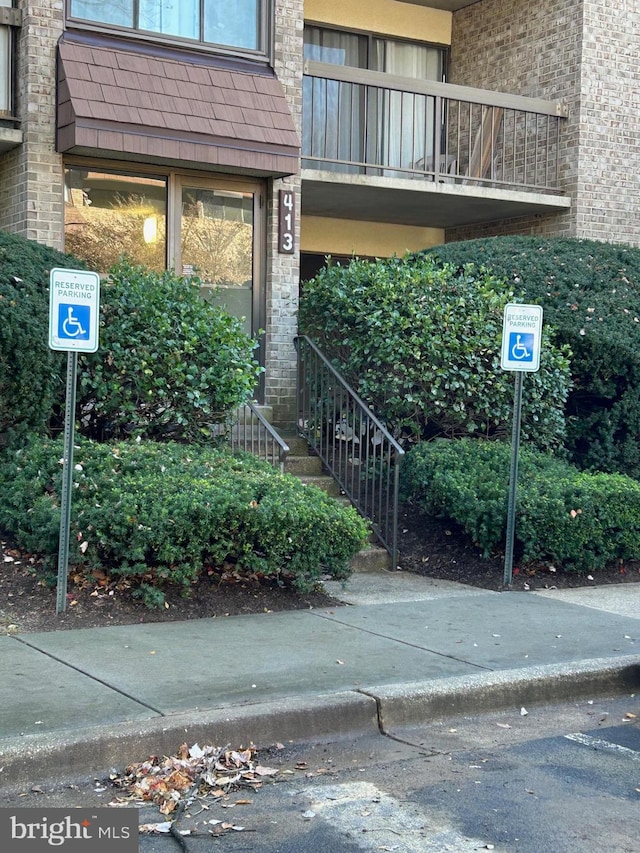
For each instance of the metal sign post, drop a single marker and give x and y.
(74, 305)
(521, 338)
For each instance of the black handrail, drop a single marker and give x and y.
(251, 431)
(354, 445)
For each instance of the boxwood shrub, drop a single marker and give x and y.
(31, 374)
(577, 520)
(590, 292)
(421, 344)
(160, 514)
(170, 364)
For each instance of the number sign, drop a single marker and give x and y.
(286, 222)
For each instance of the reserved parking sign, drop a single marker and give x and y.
(521, 337)
(74, 307)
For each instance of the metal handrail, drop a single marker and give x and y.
(381, 125)
(251, 431)
(353, 444)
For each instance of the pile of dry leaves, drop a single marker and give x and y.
(175, 783)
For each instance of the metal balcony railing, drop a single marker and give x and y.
(370, 123)
(355, 447)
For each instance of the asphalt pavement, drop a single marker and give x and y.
(397, 650)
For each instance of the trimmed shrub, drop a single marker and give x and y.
(170, 364)
(590, 292)
(421, 344)
(578, 520)
(31, 374)
(158, 515)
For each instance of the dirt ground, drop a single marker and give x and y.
(428, 547)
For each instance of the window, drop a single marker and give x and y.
(6, 65)
(351, 125)
(204, 226)
(237, 24)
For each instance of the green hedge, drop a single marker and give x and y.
(421, 344)
(577, 520)
(590, 292)
(31, 374)
(170, 364)
(158, 514)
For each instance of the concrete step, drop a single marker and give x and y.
(321, 481)
(297, 445)
(303, 465)
(308, 469)
(371, 559)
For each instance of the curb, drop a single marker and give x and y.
(370, 710)
(97, 749)
(416, 703)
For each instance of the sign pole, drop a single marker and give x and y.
(67, 482)
(520, 353)
(513, 479)
(74, 306)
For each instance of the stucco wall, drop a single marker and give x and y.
(378, 239)
(387, 17)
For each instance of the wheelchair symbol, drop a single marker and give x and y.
(520, 347)
(74, 321)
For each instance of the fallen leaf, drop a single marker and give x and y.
(165, 826)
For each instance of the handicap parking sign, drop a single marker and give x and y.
(521, 346)
(521, 337)
(73, 322)
(74, 304)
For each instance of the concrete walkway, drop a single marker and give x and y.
(400, 649)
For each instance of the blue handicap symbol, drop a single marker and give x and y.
(74, 321)
(521, 346)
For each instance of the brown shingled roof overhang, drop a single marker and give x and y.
(169, 107)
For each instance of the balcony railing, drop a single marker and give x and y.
(371, 123)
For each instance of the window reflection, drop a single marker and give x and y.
(233, 23)
(108, 215)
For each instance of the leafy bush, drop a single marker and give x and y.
(590, 292)
(170, 364)
(421, 344)
(160, 514)
(31, 375)
(579, 520)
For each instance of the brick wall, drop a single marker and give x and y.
(585, 53)
(608, 198)
(283, 270)
(31, 198)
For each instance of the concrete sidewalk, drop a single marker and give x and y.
(401, 649)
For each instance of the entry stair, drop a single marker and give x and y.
(308, 469)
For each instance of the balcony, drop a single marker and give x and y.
(394, 149)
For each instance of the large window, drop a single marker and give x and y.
(229, 23)
(353, 125)
(203, 226)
